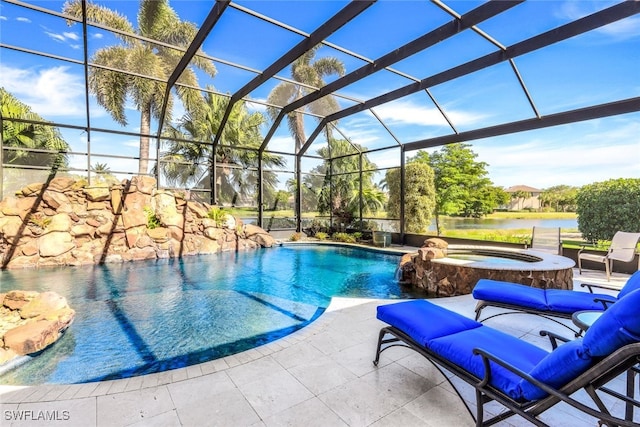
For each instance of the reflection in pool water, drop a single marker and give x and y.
(138, 318)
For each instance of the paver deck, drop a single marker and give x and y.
(322, 375)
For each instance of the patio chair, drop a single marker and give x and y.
(521, 376)
(547, 303)
(623, 248)
(546, 239)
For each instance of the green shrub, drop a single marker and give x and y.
(152, 220)
(343, 237)
(320, 235)
(217, 214)
(606, 207)
(40, 220)
(357, 235)
(316, 226)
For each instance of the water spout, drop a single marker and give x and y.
(398, 275)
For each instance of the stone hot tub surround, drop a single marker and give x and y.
(443, 270)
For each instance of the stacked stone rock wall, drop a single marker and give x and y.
(66, 222)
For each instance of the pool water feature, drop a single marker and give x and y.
(145, 317)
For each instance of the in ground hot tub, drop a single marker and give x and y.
(462, 267)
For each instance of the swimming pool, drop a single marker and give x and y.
(144, 317)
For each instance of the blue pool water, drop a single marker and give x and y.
(144, 317)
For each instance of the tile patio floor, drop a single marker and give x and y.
(319, 376)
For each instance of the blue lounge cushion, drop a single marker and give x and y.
(552, 300)
(619, 325)
(632, 284)
(558, 368)
(510, 293)
(458, 348)
(563, 301)
(423, 321)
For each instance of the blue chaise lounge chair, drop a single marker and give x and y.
(524, 378)
(547, 303)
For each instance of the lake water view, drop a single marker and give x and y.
(484, 223)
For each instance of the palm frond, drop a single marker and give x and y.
(328, 66)
(101, 15)
(281, 95)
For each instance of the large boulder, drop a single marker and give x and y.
(15, 300)
(56, 243)
(435, 242)
(32, 337)
(31, 321)
(42, 304)
(259, 235)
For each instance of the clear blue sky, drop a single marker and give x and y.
(593, 68)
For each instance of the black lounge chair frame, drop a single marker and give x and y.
(514, 309)
(546, 314)
(594, 380)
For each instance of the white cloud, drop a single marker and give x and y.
(410, 113)
(620, 30)
(255, 107)
(3, 18)
(283, 144)
(568, 156)
(54, 36)
(64, 37)
(25, 20)
(50, 92)
(385, 159)
(71, 36)
(624, 29)
(134, 142)
(361, 131)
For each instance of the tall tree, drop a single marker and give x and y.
(156, 21)
(462, 186)
(560, 197)
(420, 196)
(307, 71)
(521, 196)
(29, 135)
(189, 163)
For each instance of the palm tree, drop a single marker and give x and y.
(103, 173)
(309, 72)
(521, 196)
(340, 193)
(156, 21)
(28, 135)
(189, 162)
(101, 168)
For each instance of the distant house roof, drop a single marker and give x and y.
(526, 188)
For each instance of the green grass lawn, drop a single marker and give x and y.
(519, 236)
